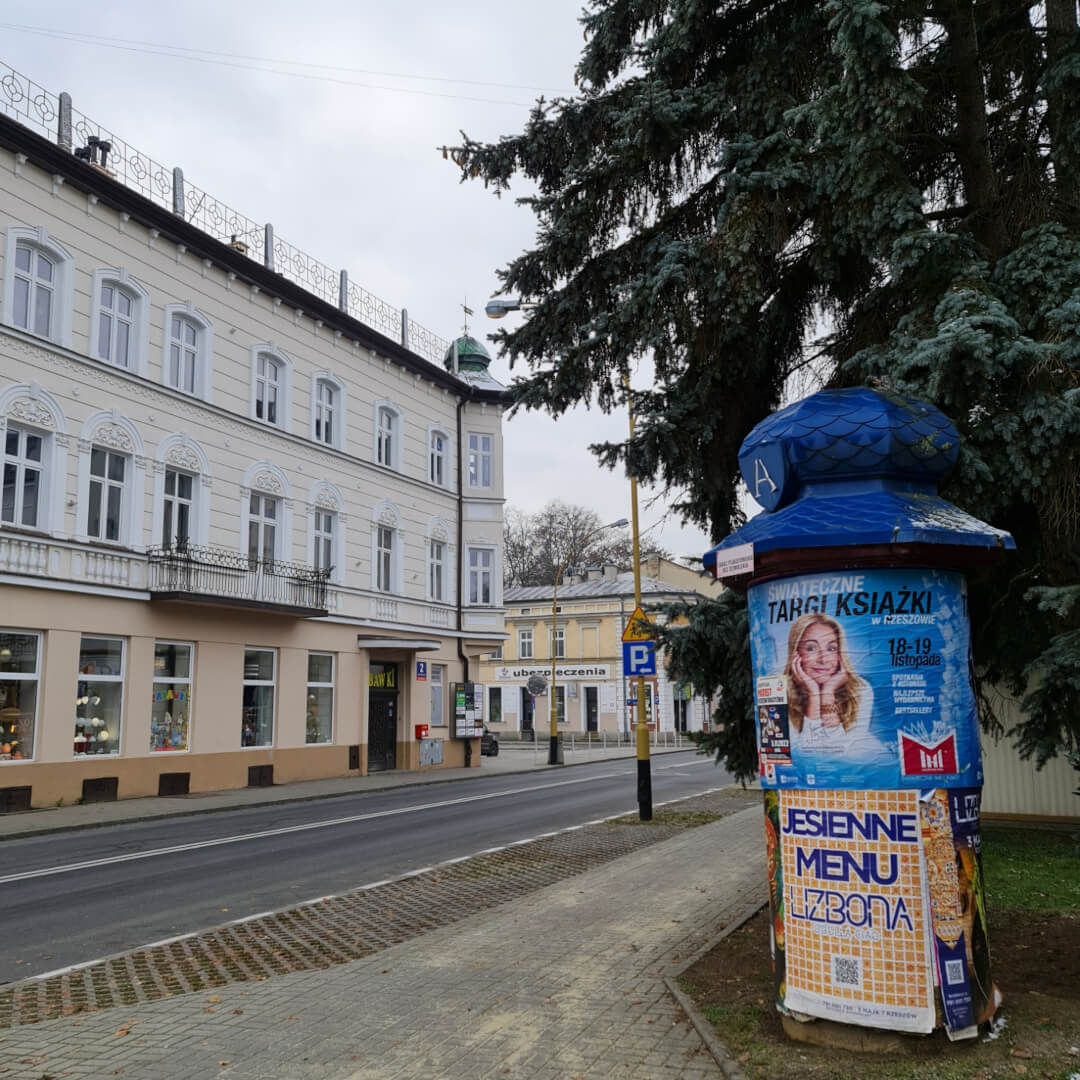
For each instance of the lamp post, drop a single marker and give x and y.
(555, 754)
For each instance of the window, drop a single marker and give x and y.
(319, 723)
(481, 561)
(480, 448)
(177, 509)
(119, 320)
(525, 644)
(325, 406)
(170, 708)
(38, 288)
(437, 444)
(560, 704)
(20, 671)
(494, 704)
(385, 437)
(263, 517)
(384, 559)
(496, 653)
(268, 388)
(437, 678)
(436, 569)
(108, 472)
(35, 275)
(188, 346)
(323, 533)
(99, 696)
(558, 642)
(257, 720)
(21, 500)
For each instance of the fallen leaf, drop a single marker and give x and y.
(223, 1063)
(215, 1000)
(1019, 1069)
(1021, 1052)
(123, 1031)
(209, 1010)
(238, 1012)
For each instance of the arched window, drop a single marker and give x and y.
(386, 548)
(328, 410)
(388, 434)
(38, 285)
(111, 475)
(32, 459)
(120, 320)
(181, 493)
(271, 386)
(188, 349)
(438, 457)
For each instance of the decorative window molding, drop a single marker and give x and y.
(265, 481)
(388, 433)
(270, 396)
(387, 539)
(328, 410)
(38, 296)
(29, 409)
(190, 368)
(439, 457)
(181, 454)
(119, 320)
(117, 437)
(326, 520)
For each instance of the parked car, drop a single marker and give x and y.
(489, 744)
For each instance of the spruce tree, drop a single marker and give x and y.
(870, 191)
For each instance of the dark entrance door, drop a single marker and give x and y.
(526, 714)
(591, 709)
(681, 709)
(382, 717)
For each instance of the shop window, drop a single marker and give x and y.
(170, 710)
(20, 671)
(494, 704)
(99, 696)
(319, 724)
(257, 721)
(437, 681)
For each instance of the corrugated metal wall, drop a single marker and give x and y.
(1012, 786)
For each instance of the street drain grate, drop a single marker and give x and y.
(352, 925)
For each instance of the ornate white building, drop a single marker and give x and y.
(247, 533)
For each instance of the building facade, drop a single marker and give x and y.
(245, 536)
(585, 641)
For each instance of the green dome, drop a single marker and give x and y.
(471, 355)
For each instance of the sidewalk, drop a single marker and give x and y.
(513, 759)
(566, 982)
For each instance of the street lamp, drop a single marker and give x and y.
(496, 308)
(555, 755)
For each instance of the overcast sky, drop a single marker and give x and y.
(340, 155)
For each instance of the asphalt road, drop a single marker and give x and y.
(70, 898)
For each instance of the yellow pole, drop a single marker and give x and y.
(644, 767)
(555, 754)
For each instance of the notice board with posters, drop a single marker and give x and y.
(467, 699)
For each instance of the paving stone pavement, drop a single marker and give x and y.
(565, 983)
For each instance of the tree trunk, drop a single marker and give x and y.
(972, 146)
(1060, 29)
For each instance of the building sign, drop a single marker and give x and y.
(849, 918)
(421, 670)
(861, 680)
(382, 677)
(562, 671)
(468, 699)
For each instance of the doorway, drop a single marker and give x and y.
(592, 709)
(382, 717)
(527, 715)
(681, 704)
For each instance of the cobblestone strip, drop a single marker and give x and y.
(348, 927)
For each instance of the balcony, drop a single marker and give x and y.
(207, 575)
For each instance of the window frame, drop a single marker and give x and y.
(272, 683)
(168, 500)
(21, 677)
(139, 334)
(119, 678)
(308, 741)
(187, 681)
(476, 574)
(107, 484)
(525, 637)
(283, 406)
(22, 464)
(437, 683)
(62, 292)
(495, 714)
(438, 459)
(324, 540)
(202, 366)
(480, 460)
(386, 441)
(384, 558)
(558, 643)
(260, 521)
(327, 379)
(436, 568)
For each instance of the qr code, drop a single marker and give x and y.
(954, 972)
(847, 971)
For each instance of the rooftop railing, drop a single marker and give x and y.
(54, 117)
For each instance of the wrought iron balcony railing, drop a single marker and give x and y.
(210, 575)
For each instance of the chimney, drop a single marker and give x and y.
(593, 573)
(652, 566)
(611, 571)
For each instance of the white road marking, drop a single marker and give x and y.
(176, 849)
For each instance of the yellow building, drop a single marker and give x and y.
(586, 645)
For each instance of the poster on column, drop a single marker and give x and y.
(853, 927)
(862, 680)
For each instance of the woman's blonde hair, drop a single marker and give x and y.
(847, 696)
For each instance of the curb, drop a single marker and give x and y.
(196, 812)
(728, 1065)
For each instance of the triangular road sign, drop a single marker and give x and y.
(638, 627)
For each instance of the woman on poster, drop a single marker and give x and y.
(829, 706)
